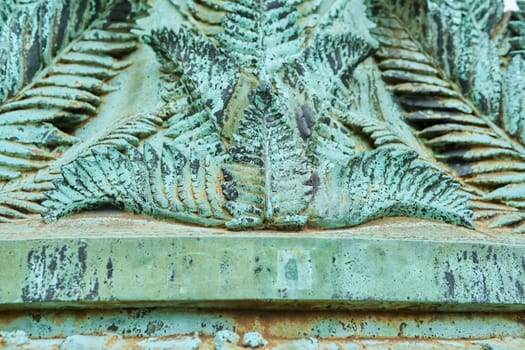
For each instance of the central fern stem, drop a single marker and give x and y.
(267, 172)
(260, 68)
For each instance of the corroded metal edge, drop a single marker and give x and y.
(159, 322)
(394, 265)
(195, 342)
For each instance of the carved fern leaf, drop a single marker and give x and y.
(514, 99)
(18, 205)
(267, 176)
(131, 131)
(201, 81)
(60, 35)
(483, 14)
(517, 30)
(514, 123)
(195, 64)
(180, 189)
(261, 35)
(332, 58)
(29, 191)
(54, 73)
(383, 183)
(513, 79)
(460, 128)
(165, 185)
(378, 131)
(449, 33)
(324, 75)
(19, 199)
(313, 88)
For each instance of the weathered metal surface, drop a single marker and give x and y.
(126, 261)
(198, 343)
(309, 118)
(287, 115)
(140, 329)
(244, 139)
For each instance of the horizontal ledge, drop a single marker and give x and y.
(121, 261)
(269, 305)
(344, 325)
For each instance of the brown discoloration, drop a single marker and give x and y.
(391, 328)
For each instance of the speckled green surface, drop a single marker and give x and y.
(249, 121)
(417, 282)
(138, 262)
(275, 115)
(246, 115)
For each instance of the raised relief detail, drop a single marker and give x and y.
(274, 114)
(459, 75)
(55, 60)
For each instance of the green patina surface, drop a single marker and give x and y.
(172, 265)
(262, 116)
(265, 114)
(139, 278)
(158, 322)
(249, 118)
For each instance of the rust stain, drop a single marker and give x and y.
(207, 343)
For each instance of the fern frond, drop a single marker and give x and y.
(267, 176)
(21, 198)
(485, 14)
(498, 216)
(454, 38)
(55, 71)
(30, 190)
(433, 100)
(487, 152)
(203, 80)
(337, 55)
(165, 185)
(64, 33)
(131, 131)
(261, 35)
(378, 131)
(383, 183)
(514, 99)
(324, 75)
(331, 140)
(513, 78)
(517, 30)
(205, 15)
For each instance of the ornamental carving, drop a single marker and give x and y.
(280, 114)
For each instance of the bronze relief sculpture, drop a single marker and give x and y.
(274, 114)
